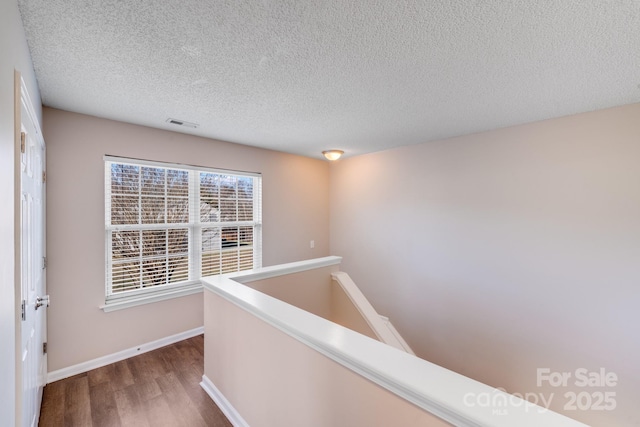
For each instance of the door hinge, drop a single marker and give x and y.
(23, 144)
(24, 309)
(44, 262)
(44, 176)
(44, 348)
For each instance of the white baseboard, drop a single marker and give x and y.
(121, 355)
(225, 406)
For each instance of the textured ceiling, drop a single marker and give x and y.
(302, 76)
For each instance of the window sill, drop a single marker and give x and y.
(136, 300)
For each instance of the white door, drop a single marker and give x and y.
(32, 260)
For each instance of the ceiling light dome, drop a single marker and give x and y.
(333, 154)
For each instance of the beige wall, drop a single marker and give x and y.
(499, 253)
(309, 290)
(313, 389)
(316, 292)
(14, 54)
(295, 211)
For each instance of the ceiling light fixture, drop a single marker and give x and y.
(333, 154)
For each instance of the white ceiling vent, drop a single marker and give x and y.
(182, 123)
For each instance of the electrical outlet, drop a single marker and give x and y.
(312, 244)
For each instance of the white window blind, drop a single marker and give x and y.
(168, 225)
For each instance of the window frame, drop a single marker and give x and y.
(129, 298)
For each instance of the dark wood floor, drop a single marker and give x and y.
(158, 388)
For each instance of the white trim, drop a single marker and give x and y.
(433, 388)
(121, 355)
(141, 299)
(225, 406)
(281, 270)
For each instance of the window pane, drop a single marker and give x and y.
(245, 210)
(177, 183)
(211, 247)
(245, 248)
(209, 197)
(245, 188)
(210, 263)
(228, 210)
(229, 237)
(153, 180)
(153, 210)
(211, 239)
(154, 272)
(245, 257)
(228, 186)
(177, 210)
(209, 212)
(165, 256)
(154, 243)
(245, 236)
(124, 179)
(125, 244)
(229, 261)
(209, 186)
(124, 210)
(178, 269)
(125, 276)
(178, 240)
(237, 249)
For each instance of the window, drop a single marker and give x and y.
(168, 225)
